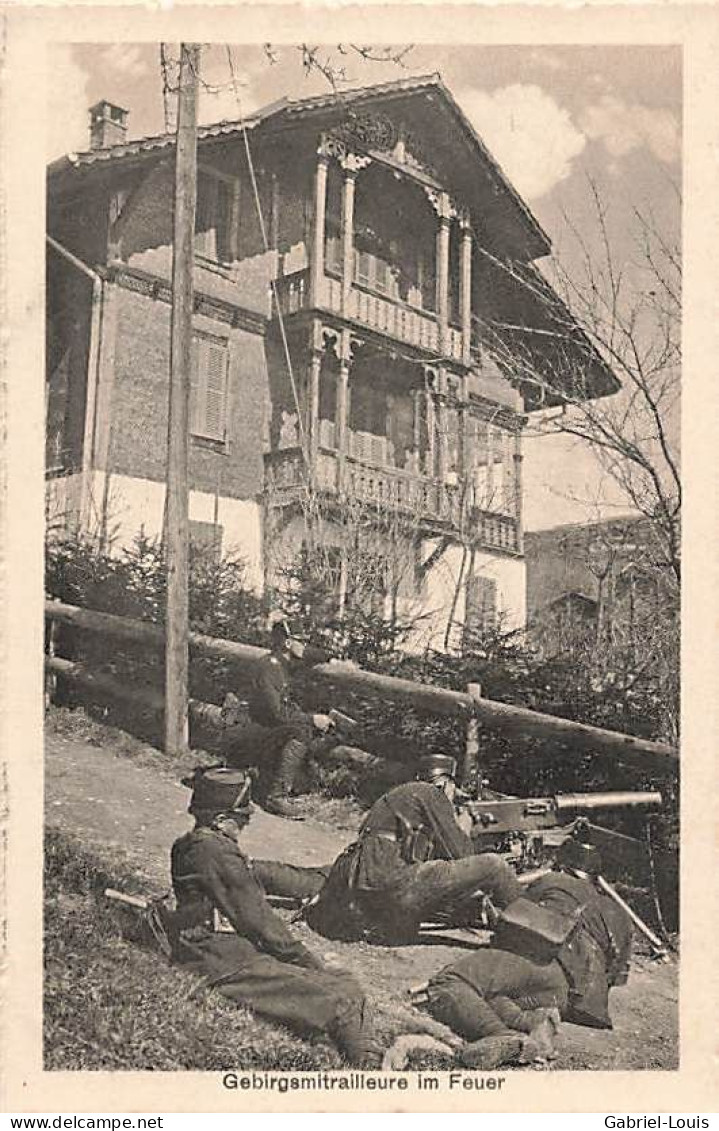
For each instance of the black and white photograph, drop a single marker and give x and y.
(362, 548)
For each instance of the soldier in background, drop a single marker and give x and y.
(286, 729)
(224, 928)
(555, 955)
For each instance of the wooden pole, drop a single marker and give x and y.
(470, 770)
(176, 648)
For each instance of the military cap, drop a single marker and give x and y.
(437, 766)
(576, 855)
(220, 789)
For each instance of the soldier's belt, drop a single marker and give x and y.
(391, 837)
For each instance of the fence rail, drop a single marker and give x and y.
(653, 756)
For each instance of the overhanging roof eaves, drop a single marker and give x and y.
(532, 329)
(141, 146)
(499, 174)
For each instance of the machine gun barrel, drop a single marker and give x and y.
(506, 814)
(627, 799)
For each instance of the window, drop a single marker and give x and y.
(492, 468)
(394, 239)
(208, 394)
(333, 222)
(216, 216)
(480, 615)
(206, 539)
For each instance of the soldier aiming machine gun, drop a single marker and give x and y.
(527, 830)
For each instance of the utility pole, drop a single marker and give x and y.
(176, 545)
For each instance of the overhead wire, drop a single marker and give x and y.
(266, 245)
(312, 514)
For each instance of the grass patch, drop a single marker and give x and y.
(111, 1005)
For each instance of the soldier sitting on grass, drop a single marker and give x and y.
(224, 929)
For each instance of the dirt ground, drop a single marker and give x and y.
(130, 801)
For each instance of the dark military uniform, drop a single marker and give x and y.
(255, 961)
(410, 860)
(284, 729)
(271, 701)
(493, 991)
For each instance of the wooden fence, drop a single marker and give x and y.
(654, 757)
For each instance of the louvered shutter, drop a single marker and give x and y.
(196, 395)
(363, 267)
(209, 403)
(481, 608)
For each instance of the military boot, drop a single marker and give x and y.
(278, 799)
(354, 1033)
(492, 1052)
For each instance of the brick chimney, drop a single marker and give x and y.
(108, 125)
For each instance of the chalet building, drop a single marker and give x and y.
(350, 256)
(597, 583)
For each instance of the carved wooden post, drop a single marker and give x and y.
(317, 274)
(491, 500)
(518, 488)
(313, 396)
(430, 378)
(441, 433)
(465, 288)
(469, 775)
(443, 209)
(351, 164)
(341, 407)
(348, 206)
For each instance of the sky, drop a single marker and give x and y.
(553, 116)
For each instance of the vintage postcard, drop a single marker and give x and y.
(359, 558)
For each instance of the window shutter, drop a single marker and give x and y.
(363, 267)
(481, 607)
(196, 396)
(209, 408)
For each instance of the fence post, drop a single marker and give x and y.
(50, 677)
(469, 774)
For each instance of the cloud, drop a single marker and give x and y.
(543, 57)
(531, 136)
(67, 122)
(622, 128)
(224, 102)
(126, 58)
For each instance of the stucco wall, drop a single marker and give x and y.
(440, 584)
(135, 505)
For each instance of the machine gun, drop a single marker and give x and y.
(525, 830)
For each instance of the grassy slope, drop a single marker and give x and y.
(110, 1004)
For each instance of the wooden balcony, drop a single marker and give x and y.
(384, 315)
(435, 507)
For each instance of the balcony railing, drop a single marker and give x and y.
(385, 315)
(433, 505)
